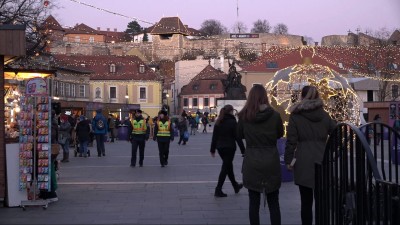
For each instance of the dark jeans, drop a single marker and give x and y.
(204, 128)
(112, 134)
(163, 150)
(135, 145)
(307, 198)
(273, 205)
(227, 155)
(100, 138)
(181, 138)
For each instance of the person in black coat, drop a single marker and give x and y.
(224, 139)
(163, 134)
(83, 135)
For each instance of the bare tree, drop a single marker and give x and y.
(281, 28)
(261, 26)
(30, 13)
(213, 27)
(239, 27)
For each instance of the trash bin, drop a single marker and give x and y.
(123, 133)
(287, 176)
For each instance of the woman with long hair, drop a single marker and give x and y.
(224, 139)
(305, 147)
(261, 126)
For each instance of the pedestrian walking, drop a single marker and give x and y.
(83, 135)
(305, 147)
(100, 128)
(378, 130)
(261, 126)
(163, 134)
(140, 133)
(204, 121)
(193, 125)
(224, 139)
(111, 126)
(64, 136)
(183, 130)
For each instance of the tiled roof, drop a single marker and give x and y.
(208, 81)
(51, 23)
(395, 37)
(170, 25)
(126, 67)
(82, 29)
(113, 36)
(339, 59)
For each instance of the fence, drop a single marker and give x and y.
(358, 180)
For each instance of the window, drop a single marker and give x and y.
(194, 101)
(67, 90)
(186, 102)
(206, 101)
(165, 36)
(272, 65)
(73, 92)
(113, 92)
(142, 94)
(141, 69)
(370, 96)
(195, 87)
(91, 39)
(340, 65)
(213, 86)
(112, 68)
(81, 90)
(356, 66)
(395, 91)
(56, 91)
(62, 89)
(77, 39)
(371, 66)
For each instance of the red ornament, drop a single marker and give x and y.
(46, 3)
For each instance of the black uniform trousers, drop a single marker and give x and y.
(135, 144)
(163, 149)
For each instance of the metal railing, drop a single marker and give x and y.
(358, 179)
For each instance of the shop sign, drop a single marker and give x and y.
(244, 35)
(36, 86)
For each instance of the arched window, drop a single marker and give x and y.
(112, 68)
(141, 69)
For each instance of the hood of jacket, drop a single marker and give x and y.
(310, 109)
(139, 118)
(264, 114)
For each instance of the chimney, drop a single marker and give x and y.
(316, 43)
(115, 29)
(98, 28)
(108, 29)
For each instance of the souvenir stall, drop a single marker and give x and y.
(27, 126)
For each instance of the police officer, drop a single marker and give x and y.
(164, 134)
(139, 135)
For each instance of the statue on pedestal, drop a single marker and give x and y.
(233, 87)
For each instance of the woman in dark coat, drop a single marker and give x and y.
(83, 135)
(307, 132)
(261, 126)
(224, 139)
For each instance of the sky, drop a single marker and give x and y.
(312, 18)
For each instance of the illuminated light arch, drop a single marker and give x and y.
(340, 100)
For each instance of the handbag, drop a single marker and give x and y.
(186, 136)
(55, 149)
(62, 139)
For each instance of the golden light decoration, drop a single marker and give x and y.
(340, 100)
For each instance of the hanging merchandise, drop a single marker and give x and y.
(34, 142)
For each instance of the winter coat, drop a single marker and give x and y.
(307, 133)
(111, 123)
(54, 131)
(182, 126)
(163, 139)
(261, 164)
(83, 130)
(225, 135)
(96, 130)
(65, 129)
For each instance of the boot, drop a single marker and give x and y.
(65, 157)
(219, 193)
(237, 187)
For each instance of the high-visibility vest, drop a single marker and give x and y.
(163, 128)
(139, 127)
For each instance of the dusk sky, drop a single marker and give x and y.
(313, 18)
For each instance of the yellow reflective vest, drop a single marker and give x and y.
(164, 128)
(139, 127)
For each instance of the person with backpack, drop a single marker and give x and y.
(83, 135)
(163, 134)
(111, 126)
(100, 128)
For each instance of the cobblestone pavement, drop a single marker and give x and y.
(106, 190)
